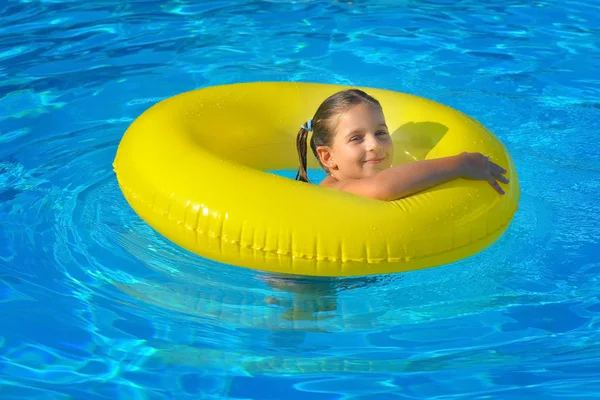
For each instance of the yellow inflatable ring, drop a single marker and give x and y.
(195, 167)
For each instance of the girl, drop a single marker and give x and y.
(353, 145)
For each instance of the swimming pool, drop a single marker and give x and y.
(96, 305)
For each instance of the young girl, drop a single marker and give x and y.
(353, 145)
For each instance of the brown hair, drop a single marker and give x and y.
(322, 128)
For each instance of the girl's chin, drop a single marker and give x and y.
(375, 167)
(371, 172)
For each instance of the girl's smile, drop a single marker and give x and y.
(375, 161)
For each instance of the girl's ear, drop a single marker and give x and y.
(324, 153)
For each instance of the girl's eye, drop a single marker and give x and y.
(381, 133)
(354, 138)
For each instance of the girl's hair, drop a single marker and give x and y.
(322, 127)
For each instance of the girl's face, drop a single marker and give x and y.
(362, 145)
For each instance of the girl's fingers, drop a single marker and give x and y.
(496, 173)
(496, 167)
(495, 185)
(501, 177)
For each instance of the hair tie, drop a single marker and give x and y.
(308, 125)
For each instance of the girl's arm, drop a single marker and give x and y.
(410, 178)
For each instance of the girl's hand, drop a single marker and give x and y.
(479, 167)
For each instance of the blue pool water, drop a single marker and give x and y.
(95, 305)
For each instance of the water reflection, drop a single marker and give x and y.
(195, 287)
(307, 298)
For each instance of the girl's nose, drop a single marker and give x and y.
(372, 143)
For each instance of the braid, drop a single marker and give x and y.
(302, 148)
